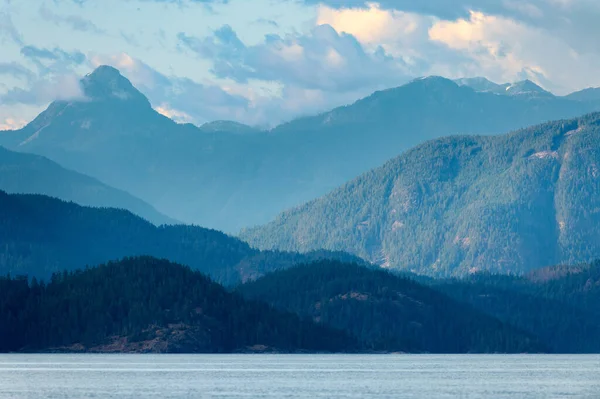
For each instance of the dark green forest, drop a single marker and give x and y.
(385, 311)
(148, 305)
(40, 235)
(560, 305)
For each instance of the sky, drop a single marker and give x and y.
(262, 62)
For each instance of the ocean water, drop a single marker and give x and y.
(299, 376)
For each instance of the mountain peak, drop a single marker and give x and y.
(432, 80)
(107, 83)
(526, 87)
(480, 84)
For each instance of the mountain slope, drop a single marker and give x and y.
(42, 235)
(228, 176)
(32, 174)
(148, 305)
(589, 94)
(387, 312)
(458, 205)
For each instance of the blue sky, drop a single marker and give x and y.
(265, 61)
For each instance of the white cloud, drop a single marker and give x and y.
(315, 55)
(506, 50)
(371, 25)
(178, 116)
(43, 91)
(12, 124)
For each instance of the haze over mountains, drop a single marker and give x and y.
(229, 176)
(22, 173)
(457, 205)
(451, 206)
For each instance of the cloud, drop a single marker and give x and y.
(315, 57)
(11, 124)
(8, 29)
(177, 116)
(507, 49)
(51, 62)
(322, 59)
(55, 54)
(44, 91)
(369, 25)
(549, 41)
(17, 70)
(441, 8)
(75, 22)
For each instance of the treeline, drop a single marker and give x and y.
(158, 305)
(387, 312)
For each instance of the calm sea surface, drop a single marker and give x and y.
(298, 376)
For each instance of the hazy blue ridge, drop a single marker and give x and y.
(22, 173)
(458, 205)
(225, 175)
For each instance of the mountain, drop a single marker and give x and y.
(42, 235)
(591, 94)
(463, 204)
(228, 176)
(228, 127)
(387, 312)
(522, 88)
(557, 304)
(148, 305)
(32, 174)
(481, 84)
(527, 88)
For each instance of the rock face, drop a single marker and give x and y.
(459, 205)
(173, 338)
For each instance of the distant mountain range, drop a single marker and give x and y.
(524, 88)
(227, 176)
(42, 235)
(458, 205)
(22, 173)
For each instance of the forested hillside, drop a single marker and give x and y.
(22, 173)
(42, 235)
(459, 205)
(557, 304)
(148, 305)
(387, 312)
